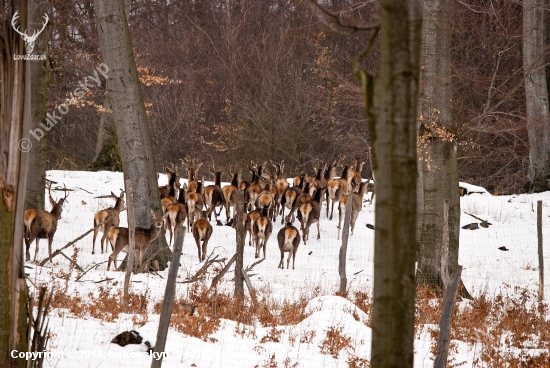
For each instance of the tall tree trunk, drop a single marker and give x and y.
(391, 111)
(438, 167)
(39, 78)
(536, 94)
(132, 127)
(14, 123)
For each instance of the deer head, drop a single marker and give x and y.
(29, 40)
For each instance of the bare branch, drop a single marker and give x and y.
(334, 22)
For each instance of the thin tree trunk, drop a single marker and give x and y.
(391, 110)
(131, 123)
(438, 168)
(36, 180)
(536, 94)
(107, 156)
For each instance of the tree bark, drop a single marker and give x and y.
(107, 156)
(36, 180)
(131, 123)
(391, 110)
(536, 95)
(14, 124)
(438, 167)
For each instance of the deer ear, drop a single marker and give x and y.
(153, 213)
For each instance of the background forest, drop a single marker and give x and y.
(230, 81)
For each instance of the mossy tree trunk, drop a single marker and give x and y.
(36, 180)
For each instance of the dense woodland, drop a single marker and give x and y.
(230, 81)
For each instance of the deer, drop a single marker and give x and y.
(249, 219)
(280, 183)
(266, 198)
(110, 214)
(357, 205)
(317, 180)
(289, 200)
(337, 188)
(230, 193)
(177, 213)
(289, 240)
(255, 188)
(310, 212)
(120, 239)
(169, 199)
(192, 168)
(263, 227)
(41, 224)
(357, 172)
(214, 196)
(173, 179)
(195, 203)
(202, 231)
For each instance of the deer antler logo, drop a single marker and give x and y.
(29, 40)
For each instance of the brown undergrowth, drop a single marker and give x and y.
(509, 330)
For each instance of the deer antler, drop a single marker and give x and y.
(36, 33)
(15, 16)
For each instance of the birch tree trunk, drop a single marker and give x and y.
(131, 122)
(391, 110)
(36, 180)
(536, 94)
(438, 167)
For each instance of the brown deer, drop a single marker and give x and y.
(192, 168)
(337, 188)
(266, 199)
(280, 183)
(170, 198)
(289, 240)
(253, 191)
(230, 193)
(214, 196)
(262, 230)
(173, 179)
(202, 231)
(310, 213)
(120, 239)
(41, 224)
(111, 213)
(289, 200)
(195, 203)
(249, 220)
(177, 213)
(357, 205)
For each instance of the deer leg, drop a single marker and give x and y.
(50, 241)
(281, 263)
(28, 242)
(318, 231)
(257, 243)
(36, 249)
(340, 214)
(265, 245)
(198, 241)
(293, 257)
(204, 247)
(93, 242)
(331, 210)
(288, 260)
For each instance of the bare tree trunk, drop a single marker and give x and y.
(536, 94)
(36, 180)
(130, 119)
(391, 109)
(438, 168)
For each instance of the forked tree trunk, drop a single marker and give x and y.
(131, 123)
(391, 110)
(36, 180)
(438, 167)
(107, 156)
(536, 94)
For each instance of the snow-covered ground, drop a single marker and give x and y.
(86, 342)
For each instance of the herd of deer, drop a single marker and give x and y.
(266, 196)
